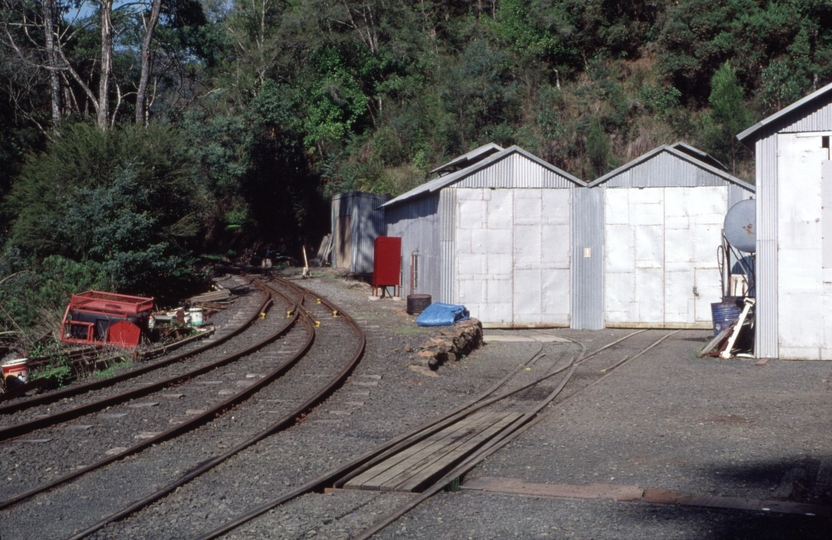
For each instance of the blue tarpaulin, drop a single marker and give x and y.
(439, 314)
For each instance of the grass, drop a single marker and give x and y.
(58, 369)
(110, 371)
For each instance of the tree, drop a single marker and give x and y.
(141, 92)
(728, 115)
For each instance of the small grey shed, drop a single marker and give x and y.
(794, 229)
(356, 222)
(646, 251)
(494, 235)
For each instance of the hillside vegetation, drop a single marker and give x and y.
(185, 128)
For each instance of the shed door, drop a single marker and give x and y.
(343, 242)
(801, 293)
(660, 256)
(513, 255)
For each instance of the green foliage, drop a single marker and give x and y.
(38, 296)
(115, 202)
(113, 369)
(57, 368)
(598, 149)
(728, 115)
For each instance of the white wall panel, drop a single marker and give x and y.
(661, 266)
(527, 246)
(513, 255)
(800, 256)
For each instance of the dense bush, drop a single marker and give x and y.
(107, 209)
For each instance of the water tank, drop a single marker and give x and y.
(740, 226)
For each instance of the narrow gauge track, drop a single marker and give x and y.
(252, 306)
(134, 417)
(529, 396)
(278, 403)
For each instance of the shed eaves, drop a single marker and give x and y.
(774, 118)
(438, 183)
(679, 154)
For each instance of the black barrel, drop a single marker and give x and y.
(416, 303)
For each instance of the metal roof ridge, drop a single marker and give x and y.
(443, 181)
(679, 154)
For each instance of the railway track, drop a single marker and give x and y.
(269, 392)
(512, 395)
(252, 306)
(243, 447)
(520, 399)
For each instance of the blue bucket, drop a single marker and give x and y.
(724, 313)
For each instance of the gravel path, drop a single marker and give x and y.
(663, 420)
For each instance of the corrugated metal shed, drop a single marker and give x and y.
(356, 222)
(661, 216)
(794, 229)
(495, 236)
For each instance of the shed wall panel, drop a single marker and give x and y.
(513, 254)
(417, 223)
(356, 221)
(766, 314)
(800, 256)
(587, 271)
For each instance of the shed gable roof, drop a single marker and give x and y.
(438, 183)
(819, 98)
(684, 157)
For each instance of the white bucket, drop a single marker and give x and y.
(196, 316)
(18, 369)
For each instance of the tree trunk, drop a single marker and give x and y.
(106, 63)
(141, 94)
(49, 17)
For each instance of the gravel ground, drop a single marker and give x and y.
(664, 420)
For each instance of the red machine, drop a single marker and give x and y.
(387, 262)
(99, 318)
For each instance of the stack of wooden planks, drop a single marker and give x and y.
(414, 467)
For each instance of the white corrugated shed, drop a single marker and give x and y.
(794, 229)
(662, 220)
(494, 236)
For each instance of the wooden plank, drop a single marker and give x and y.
(714, 343)
(514, 486)
(411, 479)
(786, 487)
(431, 444)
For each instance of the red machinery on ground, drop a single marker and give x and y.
(99, 318)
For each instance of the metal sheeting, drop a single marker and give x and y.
(817, 118)
(765, 317)
(812, 113)
(447, 260)
(366, 223)
(665, 170)
(513, 251)
(527, 175)
(588, 266)
(660, 267)
(418, 225)
(736, 194)
(515, 171)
